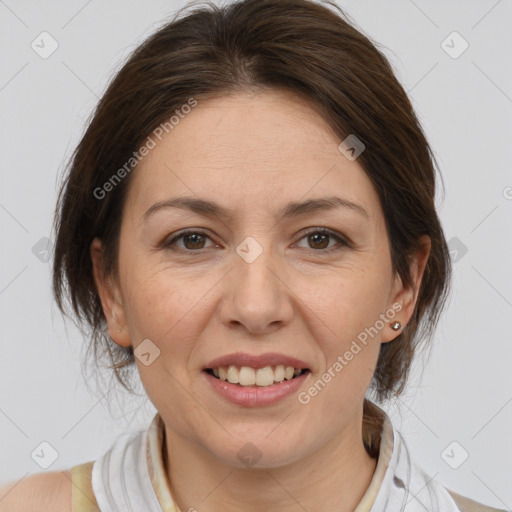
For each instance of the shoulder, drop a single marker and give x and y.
(49, 491)
(466, 504)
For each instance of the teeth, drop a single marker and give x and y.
(265, 376)
(233, 374)
(247, 376)
(279, 373)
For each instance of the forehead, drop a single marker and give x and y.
(250, 148)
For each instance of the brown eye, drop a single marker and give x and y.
(191, 241)
(319, 240)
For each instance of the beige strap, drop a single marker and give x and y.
(468, 505)
(83, 499)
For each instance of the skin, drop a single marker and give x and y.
(253, 153)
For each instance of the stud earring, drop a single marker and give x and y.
(396, 326)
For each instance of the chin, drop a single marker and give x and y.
(260, 450)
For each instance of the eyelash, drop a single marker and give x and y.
(342, 242)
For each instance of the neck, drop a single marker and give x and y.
(334, 477)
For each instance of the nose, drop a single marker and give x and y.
(257, 298)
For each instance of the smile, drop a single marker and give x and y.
(259, 377)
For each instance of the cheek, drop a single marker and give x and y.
(347, 325)
(348, 302)
(170, 314)
(169, 310)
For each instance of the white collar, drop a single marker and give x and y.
(405, 487)
(131, 476)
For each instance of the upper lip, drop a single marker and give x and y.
(257, 361)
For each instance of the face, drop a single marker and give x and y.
(260, 280)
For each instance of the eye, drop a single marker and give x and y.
(192, 240)
(318, 239)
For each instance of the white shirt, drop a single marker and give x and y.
(130, 477)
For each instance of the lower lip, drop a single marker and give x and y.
(255, 396)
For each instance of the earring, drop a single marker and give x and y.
(118, 330)
(396, 326)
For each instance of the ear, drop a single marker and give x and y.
(403, 297)
(110, 297)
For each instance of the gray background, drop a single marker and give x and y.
(463, 395)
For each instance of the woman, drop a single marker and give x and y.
(249, 219)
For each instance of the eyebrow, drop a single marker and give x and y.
(293, 209)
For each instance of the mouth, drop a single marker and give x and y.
(246, 376)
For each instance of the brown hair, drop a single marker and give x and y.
(296, 45)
